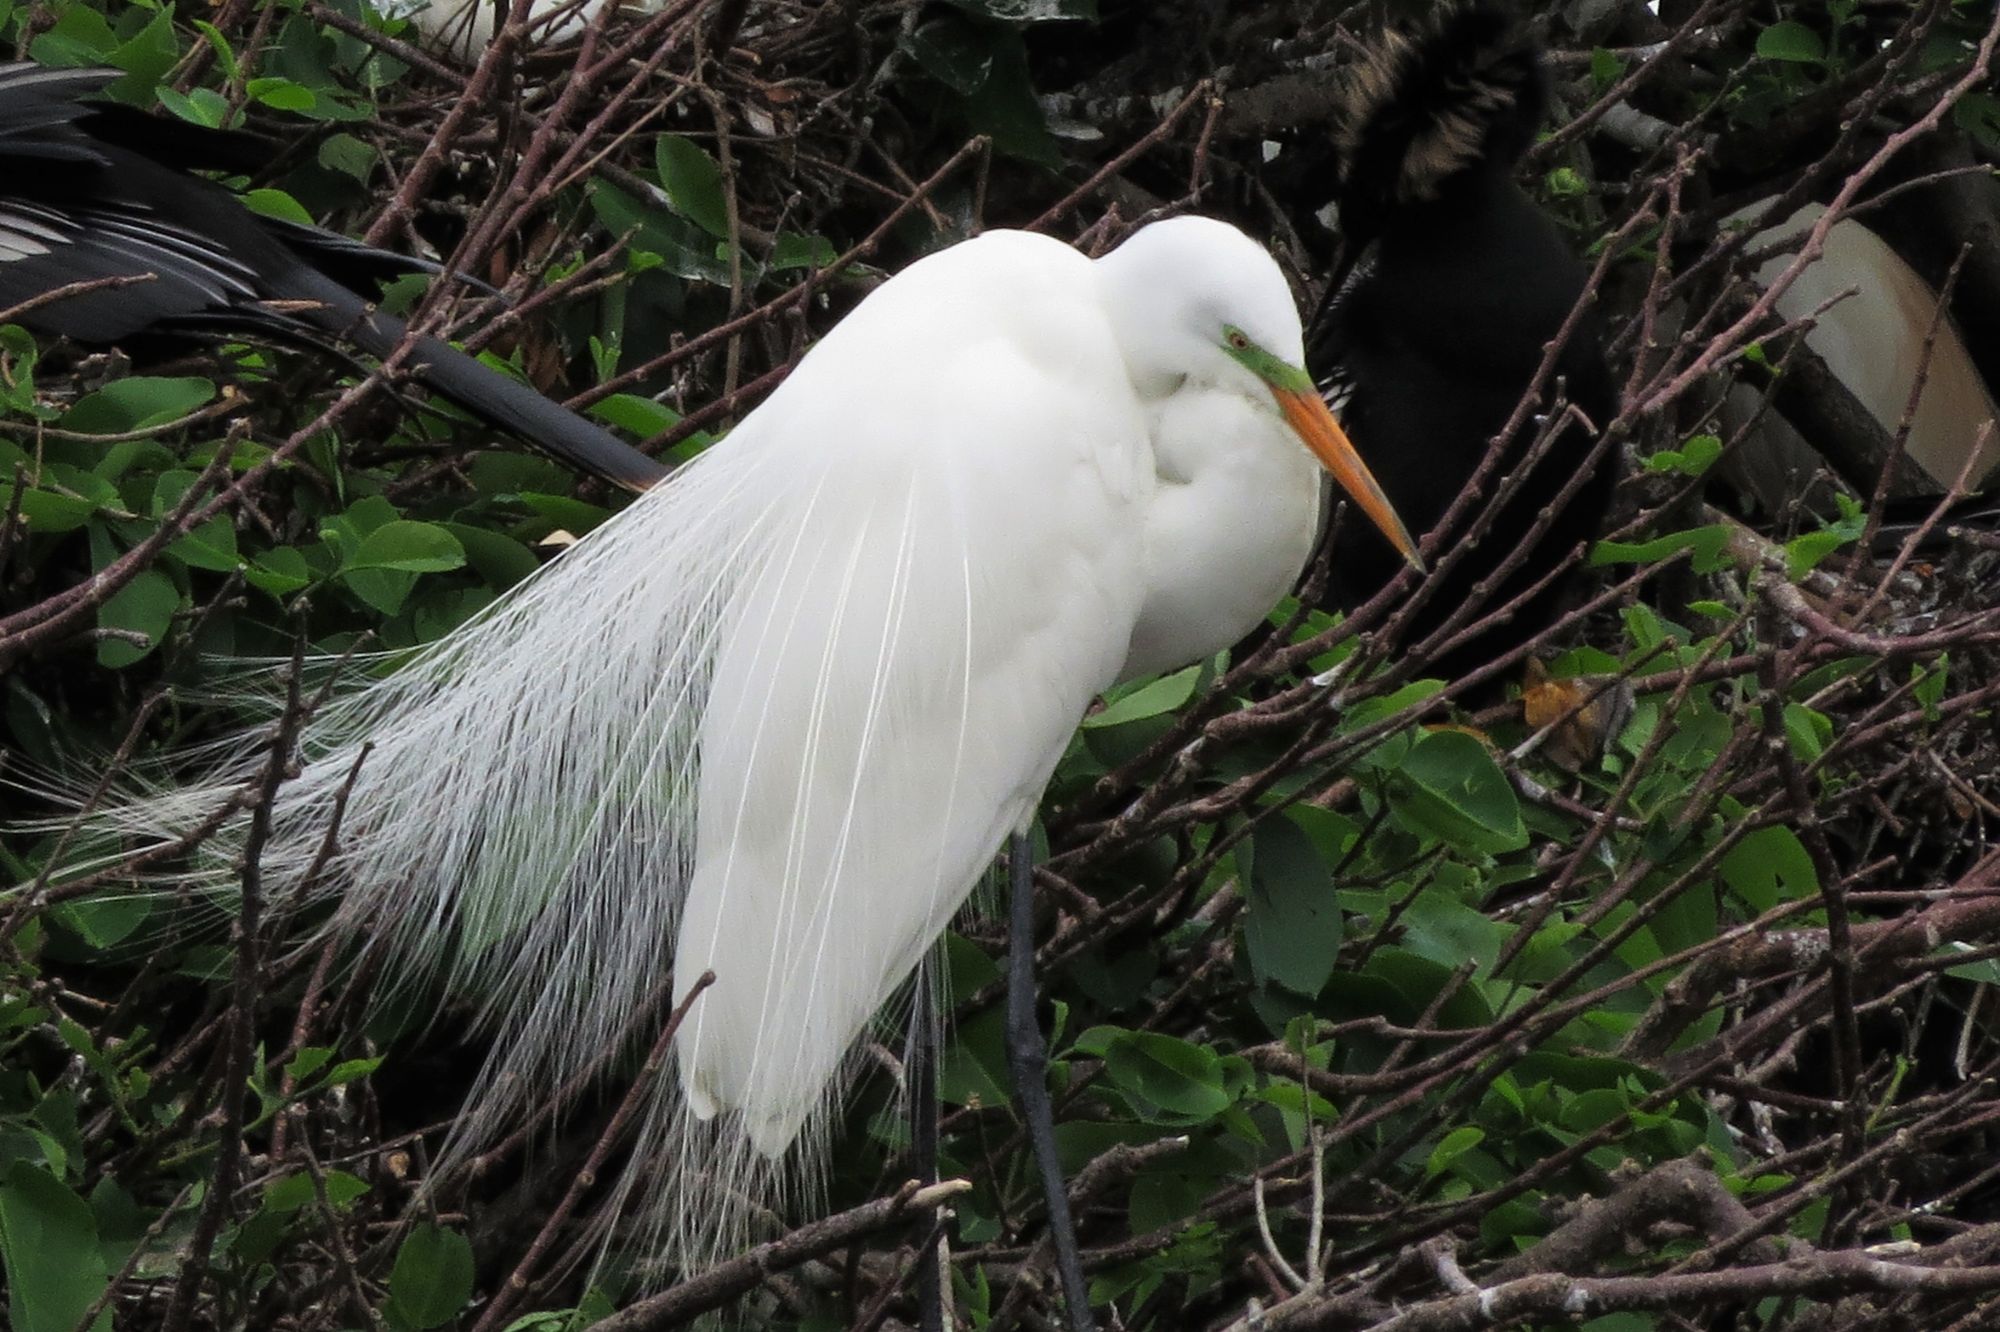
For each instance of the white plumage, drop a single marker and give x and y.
(890, 699)
(775, 718)
(465, 27)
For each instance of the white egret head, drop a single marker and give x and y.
(1196, 303)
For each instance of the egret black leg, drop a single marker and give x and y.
(924, 1147)
(1027, 1056)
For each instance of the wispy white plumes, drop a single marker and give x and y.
(761, 694)
(521, 826)
(774, 720)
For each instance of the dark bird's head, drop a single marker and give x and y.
(1432, 104)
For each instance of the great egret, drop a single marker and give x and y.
(1449, 285)
(97, 192)
(785, 708)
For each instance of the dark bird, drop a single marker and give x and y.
(94, 191)
(1449, 283)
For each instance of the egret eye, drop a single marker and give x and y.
(1237, 340)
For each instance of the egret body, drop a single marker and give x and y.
(774, 720)
(1077, 477)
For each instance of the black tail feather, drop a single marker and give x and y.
(486, 393)
(104, 191)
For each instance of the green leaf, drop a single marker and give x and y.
(574, 515)
(146, 605)
(1769, 866)
(47, 512)
(791, 251)
(1565, 183)
(1792, 41)
(282, 94)
(137, 402)
(1693, 458)
(974, 1067)
(349, 156)
(636, 415)
(1803, 553)
(967, 967)
(225, 54)
(1808, 731)
(200, 106)
(985, 67)
(1450, 788)
(432, 1278)
(104, 921)
(1454, 1145)
(280, 571)
(411, 547)
(1605, 68)
(1291, 918)
(278, 204)
(1006, 109)
(55, 1266)
(693, 182)
(1616, 1322)
(81, 36)
(211, 545)
(383, 567)
(1181, 1078)
(1985, 970)
(500, 560)
(384, 589)
(308, 1062)
(1928, 688)
(295, 1191)
(347, 1070)
(288, 1194)
(145, 56)
(1148, 699)
(685, 249)
(1707, 543)
(1439, 926)
(362, 517)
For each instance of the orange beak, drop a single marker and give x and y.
(1314, 424)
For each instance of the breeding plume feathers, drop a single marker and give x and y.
(758, 699)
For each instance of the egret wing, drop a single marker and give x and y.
(954, 579)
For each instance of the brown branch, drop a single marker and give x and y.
(728, 1281)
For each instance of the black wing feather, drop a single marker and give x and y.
(96, 191)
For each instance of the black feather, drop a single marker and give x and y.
(1435, 324)
(94, 191)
